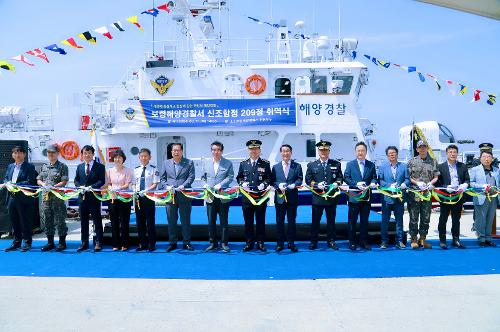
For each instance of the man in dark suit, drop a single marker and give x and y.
(254, 174)
(218, 173)
(20, 207)
(320, 174)
(454, 176)
(359, 174)
(90, 175)
(178, 174)
(286, 177)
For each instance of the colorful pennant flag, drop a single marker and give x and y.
(22, 59)
(451, 87)
(463, 89)
(153, 12)
(491, 99)
(412, 69)
(438, 86)
(384, 64)
(164, 7)
(477, 95)
(421, 77)
(104, 31)
(354, 54)
(135, 21)
(7, 66)
(71, 42)
(39, 54)
(55, 48)
(118, 26)
(88, 37)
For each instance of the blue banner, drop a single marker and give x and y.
(220, 112)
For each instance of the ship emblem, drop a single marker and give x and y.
(129, 113)
(162, 84)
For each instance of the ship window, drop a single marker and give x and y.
(282, 88)
(311, 148)
(340, 85)
(318, 84)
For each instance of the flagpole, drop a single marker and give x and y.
(154, 30)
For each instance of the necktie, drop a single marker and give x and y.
(176, 169)
(142, 185)
(362, 168)
(87, 170)
(324, 165)
(287, 168)
(253, 164)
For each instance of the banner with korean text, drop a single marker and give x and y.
(220, 112)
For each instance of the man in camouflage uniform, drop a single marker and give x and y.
(423, 170)
(53, 174)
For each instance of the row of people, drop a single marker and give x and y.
(254, 175)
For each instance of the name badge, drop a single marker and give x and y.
(260, 169)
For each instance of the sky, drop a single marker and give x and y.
(448, 43)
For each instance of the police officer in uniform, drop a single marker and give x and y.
(254, 174)
(320, 174)
(484, 147)
(146, 178)
(53, 174)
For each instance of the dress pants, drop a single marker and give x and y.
(181, 208)
(145, 219)
(222, 209)
(361, 209)
(91, 206)
(259, 213)
(331, 213)
(398, 208)
(456, 213)
(119, 213)
(290, 211)
(21, 213)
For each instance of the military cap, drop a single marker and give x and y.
(254, 143)
(323, 145)
(421, 143)
(52, 148)
(485, 146)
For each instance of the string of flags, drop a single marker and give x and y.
(452, 86)
(276, 25)
(88, 36)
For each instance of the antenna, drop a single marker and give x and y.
(154, 30)
(338, 5)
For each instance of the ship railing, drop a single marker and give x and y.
(244, 51)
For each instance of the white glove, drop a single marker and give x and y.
(217, 187)
(179, 188)
(346, 187)
(361, 185)
(282, 186)
(463, 186)
(430, 186)
(335, 185)
(373, 185)
(402, 186)
(245, 186)
(261, 186)
(168, 188)
(321, 185)
(142, 193)
(87, 189)
(485, 186)
(291, 186)
(420, 184)
(450, 188)
(393, 185)
(206, 186)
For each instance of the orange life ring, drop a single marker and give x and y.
(255, 84)
(69, 150)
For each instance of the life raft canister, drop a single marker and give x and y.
(255, 84)
(69, 150)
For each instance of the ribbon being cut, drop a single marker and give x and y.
(442, 195)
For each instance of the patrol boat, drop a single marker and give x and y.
(200, 86)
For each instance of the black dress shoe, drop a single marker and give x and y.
(313, 246)
(84, 246)
(366, 246)
(383, 245)
(151, 248)
(353, 247)
(488, 243)
(225, 247)
(14, 246)
(211, 247)
(483, 244)
(292, 247)
(443, 245)
(279, 248)
(261, 246)
(172, 247)
(457, 244)
(332, 245)
(248, 247)
(187, 246)
(26, 247)
(400, 245)
(140, 248)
